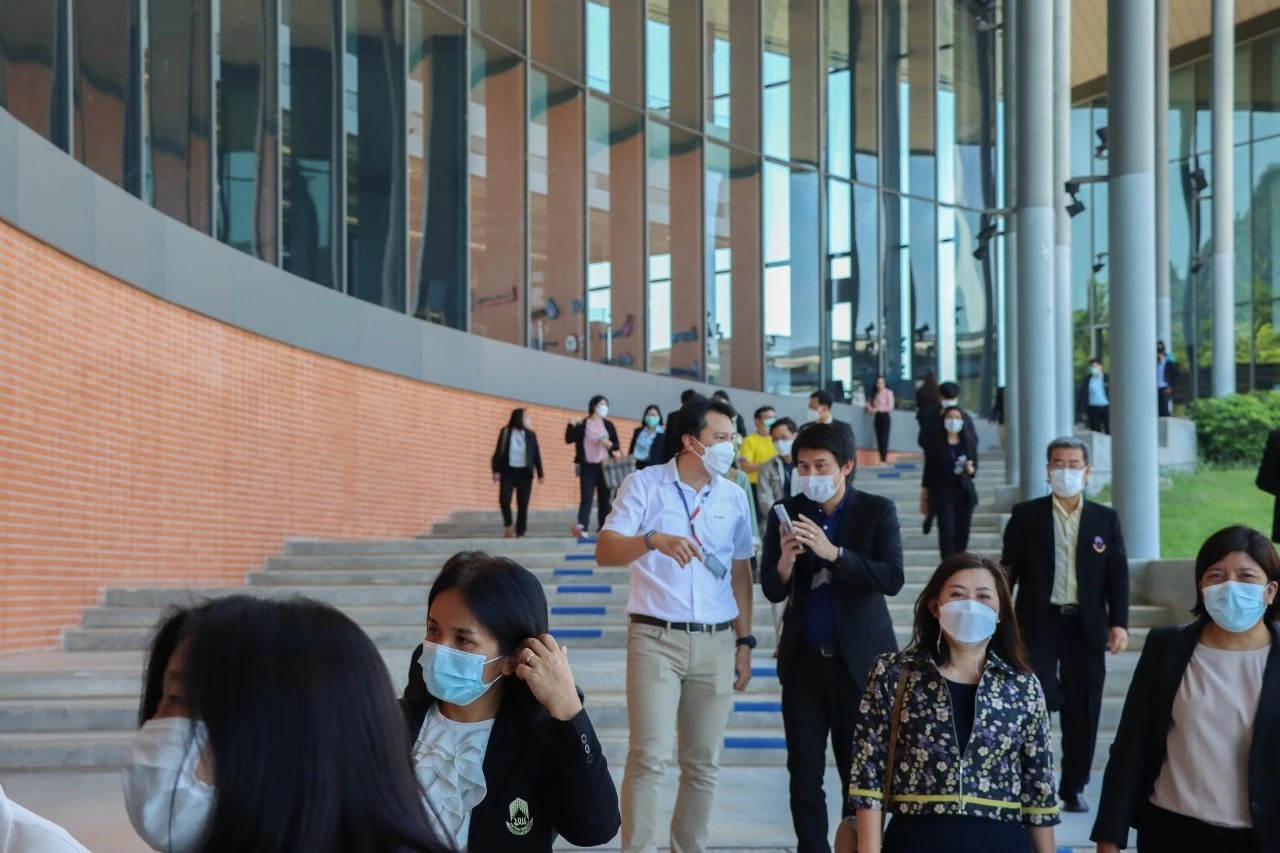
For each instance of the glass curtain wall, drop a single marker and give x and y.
(33, 66)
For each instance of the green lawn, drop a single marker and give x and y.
(1202, 503)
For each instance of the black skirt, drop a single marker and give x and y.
(954, 834)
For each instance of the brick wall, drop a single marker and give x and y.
(142, 444)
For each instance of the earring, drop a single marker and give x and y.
(939, 641)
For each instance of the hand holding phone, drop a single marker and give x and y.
(784, 520)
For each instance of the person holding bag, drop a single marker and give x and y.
(968, 769)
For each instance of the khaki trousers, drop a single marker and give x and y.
(679, 686)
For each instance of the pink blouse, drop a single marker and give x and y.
(591, 446)
(882, 401)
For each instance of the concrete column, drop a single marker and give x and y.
(1010, 77)
(1037, 373)
(1164, 301)
(1131, 214)
(1224, 313)
(1063, 342)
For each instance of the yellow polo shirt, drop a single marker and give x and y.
(756, 449)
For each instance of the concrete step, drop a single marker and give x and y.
(489, 543)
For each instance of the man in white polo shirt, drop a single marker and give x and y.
(685, 531)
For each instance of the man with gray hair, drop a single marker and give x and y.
(1065, 557)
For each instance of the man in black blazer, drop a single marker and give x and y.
(1065, 556)
(834, 571)
(1269, 478)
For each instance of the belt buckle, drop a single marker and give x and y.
(827, 650)
(695, 628)
(1069, 609)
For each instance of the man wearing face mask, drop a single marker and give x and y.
(834, 568)
(820, 412)
(1094, 398)
(685, 532)
(1065, 556)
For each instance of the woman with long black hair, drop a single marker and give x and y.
(272, 726)
(595, 441)
(950, 464)
(507, 755)
(515, 460)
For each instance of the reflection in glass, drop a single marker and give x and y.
(973, 304)
(501, 19)
(375, 131)
(789, 74)
(615, 228)
(32, 66)
(614, 53)
(852, 135)
(676, 322)
(311, 219)
(1182, 113)
(791, 276)
(966, 108)
(436, 94)
(107, 126)
(1265, 201)
(733, 97)
(556, 188)
(854, 291)
(673, 39)
(1265, 76)
(179, 111)
(247, 109)
(732, 267)
(908, 97)
(497, 126)
(555, 36)
(910, 292)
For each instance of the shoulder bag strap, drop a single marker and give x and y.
(893, 743)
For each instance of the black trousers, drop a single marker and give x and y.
(591, 482)
(882, 424)
(520, 481)
(1072, 673)
(1164, 403)
(1162, 831)
(1099, 418)
(819, 697)
(953, 513)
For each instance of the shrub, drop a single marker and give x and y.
(1233, 430)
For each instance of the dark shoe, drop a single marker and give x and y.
(1074, 804)
(928, 524)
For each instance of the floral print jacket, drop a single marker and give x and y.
(1005, 772)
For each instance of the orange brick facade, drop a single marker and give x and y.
(142, 444)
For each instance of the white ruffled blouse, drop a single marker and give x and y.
(449, 759)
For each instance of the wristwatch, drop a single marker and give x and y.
(748, 641)
(648, 540)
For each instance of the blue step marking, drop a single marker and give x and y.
(585, 589)
(587, 540)
(579, 610)
(574, 573)
(579, 557)
(905, 466)
(577, 633)
(755, 743)
(764, 671)
(758, 707)
(890, 475)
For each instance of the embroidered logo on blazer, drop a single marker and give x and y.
(1099, 545)
(520, 822)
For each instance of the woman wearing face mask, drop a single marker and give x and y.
(971, 769)
(648, 442)
(506, 754)
(949, 493)
(514, 463)
(272, 725)
(879, 407)
(1195, 765)
(595, 440)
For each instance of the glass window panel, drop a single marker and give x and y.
(375, 114)
(1099, 297)
(910, 292)
(1265, 77)
(790, 78)
(673, 31)
(1204, 105)
(555, 36)
(457, 8)
(437, 93)
(1182, 112)
(974, 304)
(106, 130)
(676, 320)
(556, 220)
(853, 295)
(33, 78)
(179, 110)
(311, 218)
(1243, 91)
(1243, 233)
(614, 48)
(1265, 204)
(1181, 249)
(732, 267)
(908, 97)
(615, 228)
(966, 108)
(501, 19)
(248, 126)
(1267, 347)
(1244, 347)
(852, 138)
(792, 324)
(497, 173)
(733, 76)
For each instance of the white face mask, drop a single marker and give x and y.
(953, 425)
(718, 458)
(813, 416)
(1066, 482)
(168, 806)
(968, 622)
(783, 446)
(818, 488)
(946, 404)
(602, 410)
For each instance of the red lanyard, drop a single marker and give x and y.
(692, 515)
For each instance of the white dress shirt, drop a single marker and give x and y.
(449, 760)
(1066, 538)
(24, 832)
(517, 455)
(650, 500)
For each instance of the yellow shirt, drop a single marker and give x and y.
(756, 449)
(1066, 536)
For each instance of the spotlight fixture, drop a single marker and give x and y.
(1099, 262)
(1197, 264)
(1101, 151)
(980, 253)
(1198, 182)
(1072, 187)
(988, 231)
(1075, 208)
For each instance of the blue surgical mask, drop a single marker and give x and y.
(1235, 606)
(453, 676)
(968, 622)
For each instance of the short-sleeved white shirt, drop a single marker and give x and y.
(650, 500)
